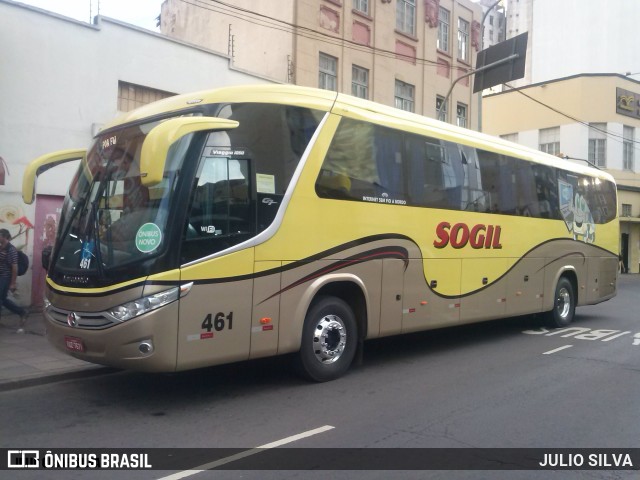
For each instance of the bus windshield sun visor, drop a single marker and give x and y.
(157, 143)
(41, 165)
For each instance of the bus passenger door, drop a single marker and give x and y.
(215, 315)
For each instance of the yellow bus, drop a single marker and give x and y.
(246, 222)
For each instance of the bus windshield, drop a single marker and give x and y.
(110, 218)
(219, 189)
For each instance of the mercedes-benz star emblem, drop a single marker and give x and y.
(72, 319)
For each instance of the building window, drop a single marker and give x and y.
(328, 78)
(359, 82)
(549, 140)
(598, 144)
(443, 30)
(626, 210)
(463, 40)
(131, 96)
(443, 113)
(627, 147)
(404, 98)
(461, 115)
(406, 16)
(361, 6)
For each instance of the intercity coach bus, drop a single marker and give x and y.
(246, 222)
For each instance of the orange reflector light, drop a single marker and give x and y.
(265, 320)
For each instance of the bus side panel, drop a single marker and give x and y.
(296, 298)
(525, 287)
(422, 309)
(602, 279)
(443, 280)
(391, 297)
(571, 264)
(215, 321)
(266, 311)
(480, 275)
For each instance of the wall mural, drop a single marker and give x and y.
(12, 218)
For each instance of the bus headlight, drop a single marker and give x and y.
(143, 305)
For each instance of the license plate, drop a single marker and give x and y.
(74, 344)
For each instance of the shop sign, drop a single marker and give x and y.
(627, 103)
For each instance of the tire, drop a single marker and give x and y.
(329, 340)
(564, 305)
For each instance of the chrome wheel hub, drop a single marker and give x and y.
(563, 303)
(329, 339)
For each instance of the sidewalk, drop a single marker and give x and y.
(28, 359)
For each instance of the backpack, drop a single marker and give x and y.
(23, 262)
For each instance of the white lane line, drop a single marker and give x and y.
(247, 453)
(557, 350)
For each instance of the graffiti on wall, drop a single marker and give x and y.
(12, 218)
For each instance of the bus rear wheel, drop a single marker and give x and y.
(329, 340)
(564, 305)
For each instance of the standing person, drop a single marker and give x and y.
(8, 275)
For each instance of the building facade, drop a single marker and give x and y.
(495, 24)
(61, 81)
(592, 117)
(588, 37)
(404, 53)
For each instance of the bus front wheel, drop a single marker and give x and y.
(564, 305)
(329, 340)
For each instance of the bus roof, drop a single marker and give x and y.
(347, 105)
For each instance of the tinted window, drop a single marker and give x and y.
(435, 172)
(243, 175)
(371, 163)
(364, 162)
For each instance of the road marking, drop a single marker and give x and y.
(247, 453)
(557, 350)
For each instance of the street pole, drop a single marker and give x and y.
(481, 69)
(484, 17)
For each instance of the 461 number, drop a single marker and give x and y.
(218, 322)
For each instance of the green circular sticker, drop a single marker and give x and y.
(148, 237)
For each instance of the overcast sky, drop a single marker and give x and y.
(142, 13)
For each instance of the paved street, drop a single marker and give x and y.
(502, 384)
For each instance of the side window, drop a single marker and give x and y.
(527, 203)
(474, 198)
(364, 162)
(604, 201)
(221, 215)
(589, 199)
(435, 172)
(546, 191)
(277, 137)
(498, 182)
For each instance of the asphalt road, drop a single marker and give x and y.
(502, 384)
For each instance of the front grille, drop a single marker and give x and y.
(86, 320)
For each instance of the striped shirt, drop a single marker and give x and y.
(8, 257)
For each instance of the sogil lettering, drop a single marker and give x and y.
(460, 235)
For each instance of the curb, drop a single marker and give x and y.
(45, 379)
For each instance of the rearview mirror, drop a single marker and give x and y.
(157, 143)
(41, 165)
